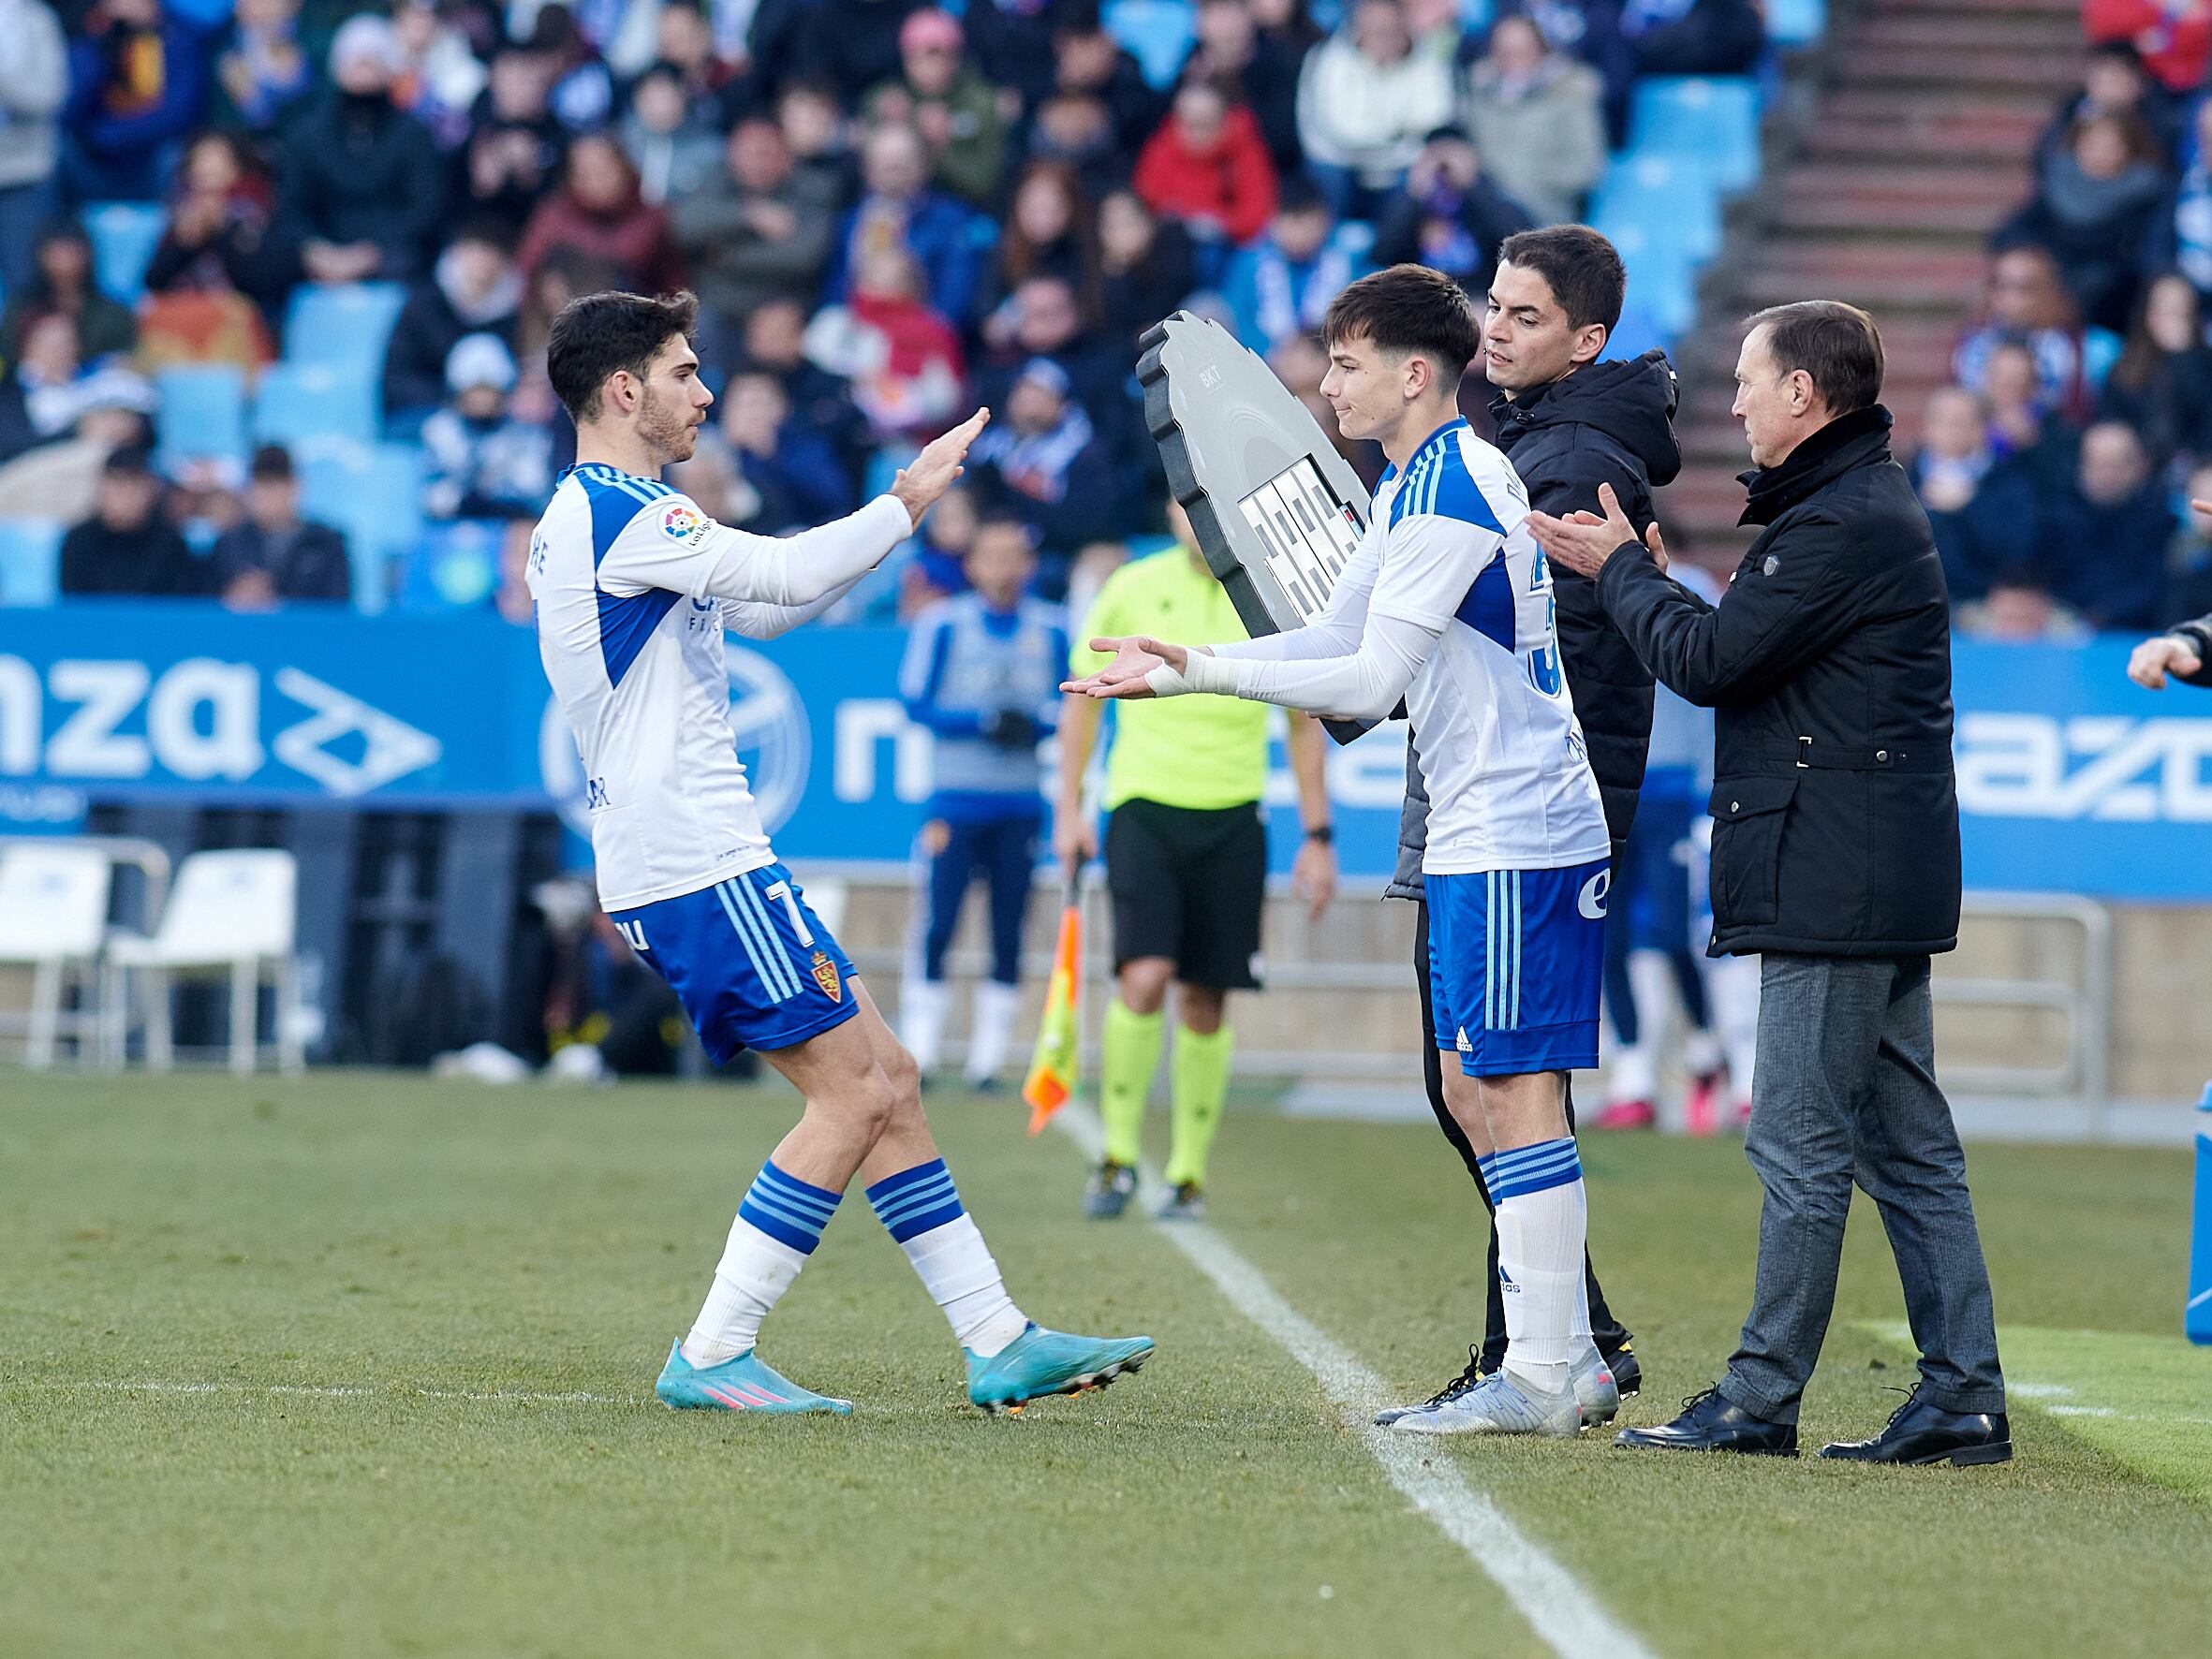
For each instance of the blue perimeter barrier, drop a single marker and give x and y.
(2070, 778)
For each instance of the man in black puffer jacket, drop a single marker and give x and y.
(1568, 423)
(1835, 861)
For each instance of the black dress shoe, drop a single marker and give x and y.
(1922, 1431)
(1711, 1423)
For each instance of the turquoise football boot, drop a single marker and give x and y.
(743, 1383)
(1039, 1362)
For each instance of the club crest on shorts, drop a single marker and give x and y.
(825, 976)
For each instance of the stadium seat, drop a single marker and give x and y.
(1662, 277)
(342, 323)
(453, 566)
(1672, 197)
(1796, 22)
(202, 411)
(123, 235)
(1713, 119)
(1157, 33)
(298, 402)
(30, 561)
(1637, 332)
(231, 914)
(372, 493)
(53, 915)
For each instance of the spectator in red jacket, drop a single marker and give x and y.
(2173, 37)
(598, 211)
(1208, 167)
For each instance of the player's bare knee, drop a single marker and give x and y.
(905, 1078)
(867, 1103)
(1201, 1008)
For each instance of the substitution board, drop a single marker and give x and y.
(1276, 510)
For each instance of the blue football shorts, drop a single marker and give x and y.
(1515, 960)
(753, 966)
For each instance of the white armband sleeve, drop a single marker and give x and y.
(671, 545)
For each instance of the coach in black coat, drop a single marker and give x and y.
(2183, 652)
(1835, 859)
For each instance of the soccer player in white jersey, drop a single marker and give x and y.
(1447, 603)
(634, 586)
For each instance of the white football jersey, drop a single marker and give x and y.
(1501, 753)
(634, 586)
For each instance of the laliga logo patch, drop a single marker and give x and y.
(679, 522)
(825, 976)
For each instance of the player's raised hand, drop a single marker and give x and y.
(1135, 656)
(2150, 662)
(932, 472)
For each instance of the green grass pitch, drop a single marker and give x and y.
(360, 1365)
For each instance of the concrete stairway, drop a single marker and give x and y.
(1903, 145)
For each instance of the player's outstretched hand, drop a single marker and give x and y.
(2150, 662)
(1134, 657)
(932, 472)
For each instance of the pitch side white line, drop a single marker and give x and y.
(1563, 1613)
(331, 1392)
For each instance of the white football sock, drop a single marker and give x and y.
(997, 1009)
(922, 1211)
(1543, 1222)
(777, 1226)
(922, 1019)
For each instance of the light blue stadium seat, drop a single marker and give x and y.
(202, 410)
(1711, 118)
(373, 493)
(1662, 277)
(1157, 33)
(1796, 22)
(1637, 332)
(454, 567)
(1674, 198)
(298, 401)
(30, 561)
(342, 323)
(123, 235)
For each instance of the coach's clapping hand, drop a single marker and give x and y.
(2150, 662)
(1134, 658)
(1582, 541)
(932, 472)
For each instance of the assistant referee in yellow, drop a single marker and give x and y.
(1186, 864)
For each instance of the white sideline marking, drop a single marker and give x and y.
(324, 1392)
(1565, 1616)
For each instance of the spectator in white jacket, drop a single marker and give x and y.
(1538, 117)
(1366, 99)
(33, 81)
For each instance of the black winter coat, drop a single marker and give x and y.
(2199, 635)
(1611, 423)
(1828, 666)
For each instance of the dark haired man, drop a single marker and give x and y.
(634, 586)
(1835, 859)
(1568, 423)
(1447, 603)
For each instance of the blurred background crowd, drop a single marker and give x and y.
(278, 274)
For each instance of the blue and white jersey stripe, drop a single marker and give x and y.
(1508, 774)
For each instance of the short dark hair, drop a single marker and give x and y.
(1579, 265)
(1409, 309)
(596, 334)
(272, 463)
(1000, 517)
(1836, 344)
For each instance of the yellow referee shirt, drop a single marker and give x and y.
(1199, 752)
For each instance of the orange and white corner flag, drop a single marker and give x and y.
(1057, 1066)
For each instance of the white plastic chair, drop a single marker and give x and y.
(54, 911)
(229, 913)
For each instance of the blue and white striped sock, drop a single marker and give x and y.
(1543, 1221)
(920, 1208)
(778, 1223)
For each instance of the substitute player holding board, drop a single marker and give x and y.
(634, 587)
(1448, 604)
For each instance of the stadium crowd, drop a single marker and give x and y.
(2058, 466)
(891, 212)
